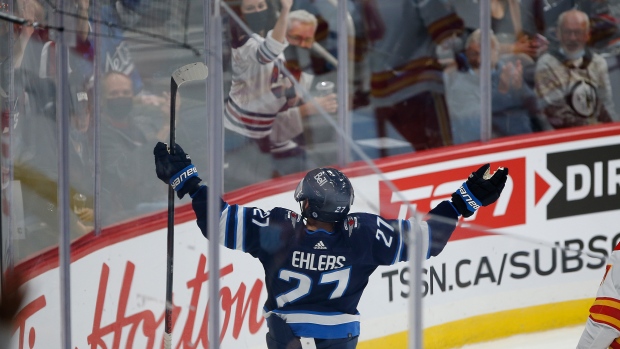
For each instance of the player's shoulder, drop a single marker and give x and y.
(360, 222)
(284, 214)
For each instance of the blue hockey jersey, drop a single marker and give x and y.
(315, 279)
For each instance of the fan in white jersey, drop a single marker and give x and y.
(262, 99)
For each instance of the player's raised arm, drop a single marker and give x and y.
(480, 189)
(178, 171)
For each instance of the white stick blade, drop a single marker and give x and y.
(190, 72)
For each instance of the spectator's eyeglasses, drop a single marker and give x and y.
(577, 32)
(298, 39)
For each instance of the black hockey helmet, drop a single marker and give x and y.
(329, 193)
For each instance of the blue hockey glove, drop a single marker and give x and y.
(480, 189)
(176, 170)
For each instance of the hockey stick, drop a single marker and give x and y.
(191, 72)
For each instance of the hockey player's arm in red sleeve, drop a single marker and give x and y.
(603, 325)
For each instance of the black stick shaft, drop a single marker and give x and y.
(170, 236)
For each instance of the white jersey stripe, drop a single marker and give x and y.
(426, 236)
(223, 220)
(400, 242)
(319, 319)
(240, 233)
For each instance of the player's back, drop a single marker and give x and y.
(315, 279)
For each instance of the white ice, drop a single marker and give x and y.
(563, 338)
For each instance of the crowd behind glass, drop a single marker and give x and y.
(415, 85)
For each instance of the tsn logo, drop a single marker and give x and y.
(427, 190)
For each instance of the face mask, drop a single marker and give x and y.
(119, 108)
(262, 21)
(573, 55)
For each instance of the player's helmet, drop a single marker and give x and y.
(329, 193)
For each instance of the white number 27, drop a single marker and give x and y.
(340, 277)
(381, 235)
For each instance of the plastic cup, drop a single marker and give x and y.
(324, 88)
(79, 202)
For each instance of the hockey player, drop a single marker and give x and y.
(603, 325)
(317, 264)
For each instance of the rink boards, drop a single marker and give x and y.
(563, 190)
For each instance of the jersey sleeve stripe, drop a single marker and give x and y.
(607, 311)
(264, 55)
(426, 238)
(229, 237)
(224, 226)
(401, 228)
(615, 344)
(607, 302)
(240, 231)
(607, 320)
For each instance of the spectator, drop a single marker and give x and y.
(517, 24)
(261, 95)
(32, 145)
(114, 54)
(123, 137)
(259, 91)
(406, 83)
(572, 81)
(514, 104)
(286, 138)
(81, 156)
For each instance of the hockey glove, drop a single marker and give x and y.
(480, 189)
(176, 170)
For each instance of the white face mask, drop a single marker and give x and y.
(573, 55)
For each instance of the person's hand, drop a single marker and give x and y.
(526, 46)
(82, 4)
(511, 77)
(176, 170)
(541, 44)
(84, 228)
(31, 11)
(286, 4)
(86, 214)
(480, 189)
(329, 103)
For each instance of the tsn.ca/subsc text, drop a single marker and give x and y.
(516, 265)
